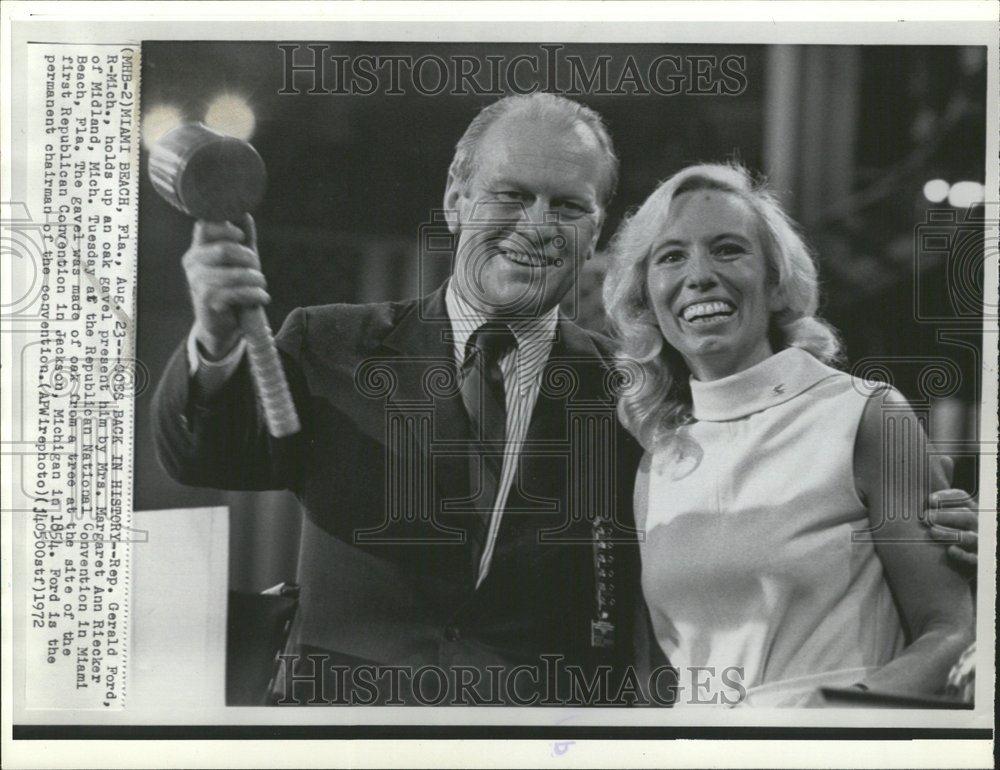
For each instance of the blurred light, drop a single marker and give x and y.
(972, 59)
(231, 115)
(923, 125)
(159, 120)
(936, 190)
(965, 194)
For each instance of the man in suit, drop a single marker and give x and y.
(467, 488)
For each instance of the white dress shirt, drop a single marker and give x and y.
(521, 367)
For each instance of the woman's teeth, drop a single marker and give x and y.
(702, 312)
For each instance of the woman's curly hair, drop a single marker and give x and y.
(659, 399)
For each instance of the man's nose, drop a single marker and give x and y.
(533, 212)
(534, 224)
(701, 271)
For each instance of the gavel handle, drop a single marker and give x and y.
(268, 376)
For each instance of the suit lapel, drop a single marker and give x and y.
(419, 353)
(572, 375)
(546, 497)
(427, 406)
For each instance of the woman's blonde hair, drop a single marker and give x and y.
(658, 397)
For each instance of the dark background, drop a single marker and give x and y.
(848, 136)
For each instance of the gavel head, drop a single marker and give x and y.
(205, 174)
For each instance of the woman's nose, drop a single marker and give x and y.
(700, 272)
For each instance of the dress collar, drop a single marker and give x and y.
(773, 381)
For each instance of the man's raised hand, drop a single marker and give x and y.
(223, 275)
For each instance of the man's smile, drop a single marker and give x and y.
(523, 257)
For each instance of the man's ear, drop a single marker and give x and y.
(453, 203)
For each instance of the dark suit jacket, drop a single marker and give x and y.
(381, 468)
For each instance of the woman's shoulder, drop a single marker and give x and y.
(829, 381)
(858, 389)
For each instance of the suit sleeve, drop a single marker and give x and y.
(221, 440)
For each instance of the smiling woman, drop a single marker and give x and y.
(708, 284)
(735, 229)
(780, 518)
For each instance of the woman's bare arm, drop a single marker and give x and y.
(894, 474)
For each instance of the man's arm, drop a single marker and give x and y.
(212, 375)
(207, 424)
(218, 438)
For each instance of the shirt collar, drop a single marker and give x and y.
(465, 319)
(773, 381)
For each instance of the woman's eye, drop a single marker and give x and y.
(670, 258)
(730, 249)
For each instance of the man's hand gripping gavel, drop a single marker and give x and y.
(223, 274)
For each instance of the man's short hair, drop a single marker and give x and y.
(541, 107)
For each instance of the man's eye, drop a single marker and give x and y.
(570, 208)
(509, 195)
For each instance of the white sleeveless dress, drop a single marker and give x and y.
(749, 568)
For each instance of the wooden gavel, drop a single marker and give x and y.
(218, 178)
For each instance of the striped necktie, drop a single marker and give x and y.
(484, 396)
